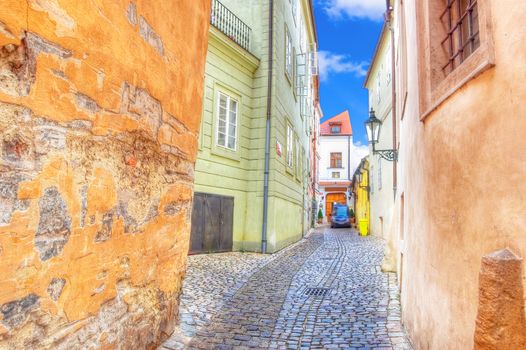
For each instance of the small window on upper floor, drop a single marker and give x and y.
(336, 129)
(289, 65)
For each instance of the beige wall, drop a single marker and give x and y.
(100, 103)
(462, 175)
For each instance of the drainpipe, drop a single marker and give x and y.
(388, 18)
(267, 127)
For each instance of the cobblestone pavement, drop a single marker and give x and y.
(241, 301)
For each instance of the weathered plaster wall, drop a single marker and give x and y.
(100, 104)
(462, 172)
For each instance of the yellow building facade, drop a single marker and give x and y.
(361, 197)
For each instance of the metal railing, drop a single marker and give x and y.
(230, 25)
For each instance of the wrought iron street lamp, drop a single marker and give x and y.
(372, 125)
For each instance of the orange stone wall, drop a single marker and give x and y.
(461, 172)
(100, 104)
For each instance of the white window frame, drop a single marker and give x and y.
(227, 122)
(290, 149)
(289, 65)
(294, 10)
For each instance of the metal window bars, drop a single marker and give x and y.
(460, 19)
(230, 25)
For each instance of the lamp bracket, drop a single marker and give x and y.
(387, 154)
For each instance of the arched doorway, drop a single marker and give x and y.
(332, 198)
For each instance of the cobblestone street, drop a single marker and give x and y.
(246, 300)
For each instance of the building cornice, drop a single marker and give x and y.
(232, 49)
(383, 36)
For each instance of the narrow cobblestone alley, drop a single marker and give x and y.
(245, 300)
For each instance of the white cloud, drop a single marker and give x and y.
(358, 151)
(369, 9)
(333, 63)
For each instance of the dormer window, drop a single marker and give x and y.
(336, 128)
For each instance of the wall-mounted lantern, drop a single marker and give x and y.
(372, 125)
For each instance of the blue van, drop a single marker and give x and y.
(340, 216)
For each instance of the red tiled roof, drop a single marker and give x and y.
(343, 119)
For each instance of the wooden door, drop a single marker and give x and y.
(212, 224)
(332, 198)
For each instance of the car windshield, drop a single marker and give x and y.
(341, 211)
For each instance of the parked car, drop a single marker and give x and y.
(340, 216)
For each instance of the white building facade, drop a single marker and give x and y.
(381, 173)
(336, 164)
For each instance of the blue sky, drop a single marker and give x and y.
(347, 35)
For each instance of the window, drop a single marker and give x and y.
(294, 9)
(336, 129)
(290, 150)
(336, 160)
(294, 72)
(456, 45)
(226, 121)
(302, 35)
(335, 174)
(460, 18)
(288, 54)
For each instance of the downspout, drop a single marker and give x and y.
(267, 127)
(388, 18)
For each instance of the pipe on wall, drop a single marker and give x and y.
(267, 127)
(388, 18)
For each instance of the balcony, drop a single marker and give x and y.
(230, 25)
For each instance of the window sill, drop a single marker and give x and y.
(225, 153)
(475, 65)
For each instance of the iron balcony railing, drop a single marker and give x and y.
(230, 25)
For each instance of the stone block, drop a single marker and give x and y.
(501, 323)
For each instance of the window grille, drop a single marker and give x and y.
(460, 19)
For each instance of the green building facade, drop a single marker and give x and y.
(231, 157)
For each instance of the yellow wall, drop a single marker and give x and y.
(362, 200)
